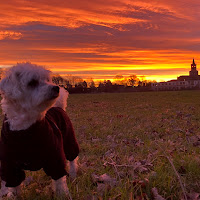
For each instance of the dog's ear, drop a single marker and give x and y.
(9, 88)
(17, 74)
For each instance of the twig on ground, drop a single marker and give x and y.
(177, 174)
(115, 167)
(113, 163)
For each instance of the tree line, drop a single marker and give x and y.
(120, 84)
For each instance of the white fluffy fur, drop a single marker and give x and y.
(61, 101)
(19, 99)
(73, 168)
(24, 104)
(60, 187)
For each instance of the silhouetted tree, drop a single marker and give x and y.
(120, 80)
(58, 80)
(101, 87)
(68, 86)
(132, 80)
(139, 83)
(106, 86)
(90, 83)
(84, 84)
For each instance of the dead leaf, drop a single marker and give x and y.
(139, 167)
(101, 188)
(143, 183)
(131, 159)
(179, 114)
(153, 174)
(95, 140)
(182, 170)
(105, 179)
(95, 178)
(143, 196)
(156, 195)
(193, 196)
(119, 116)
(194, 140)
(139, 143)
(110, 153)
(197, 143)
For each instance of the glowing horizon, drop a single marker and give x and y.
(99, 39)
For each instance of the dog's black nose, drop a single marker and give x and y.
(56, 89)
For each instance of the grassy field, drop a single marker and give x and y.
(131, 143)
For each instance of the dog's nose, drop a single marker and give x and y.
(56, 89)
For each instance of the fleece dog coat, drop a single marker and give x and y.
(46, 144)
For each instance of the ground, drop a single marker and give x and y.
(131, 143)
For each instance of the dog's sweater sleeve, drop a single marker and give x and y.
(70, 144)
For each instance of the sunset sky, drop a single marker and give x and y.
(100, 39)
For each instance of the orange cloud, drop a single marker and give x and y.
(10, 35)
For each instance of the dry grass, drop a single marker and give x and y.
(131, 137)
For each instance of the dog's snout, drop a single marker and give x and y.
(56, 89)
(54, 92)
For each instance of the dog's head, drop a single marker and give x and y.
(29, 86)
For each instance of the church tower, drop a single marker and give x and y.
(193, 72)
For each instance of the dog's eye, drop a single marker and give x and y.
(33, 83)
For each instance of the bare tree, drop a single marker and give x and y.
(90, 83)
(57, 79)
(119, 79)
(133, 80)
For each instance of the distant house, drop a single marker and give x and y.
(183, 82)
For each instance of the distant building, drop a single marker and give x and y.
(193, 74)
(183, 82)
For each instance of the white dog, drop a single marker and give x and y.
(36, 132)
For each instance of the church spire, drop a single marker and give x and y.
(193, 65)
(194, 72)
(193, 62)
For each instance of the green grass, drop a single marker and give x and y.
(116, 131)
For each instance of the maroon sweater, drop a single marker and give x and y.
(46, 144)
